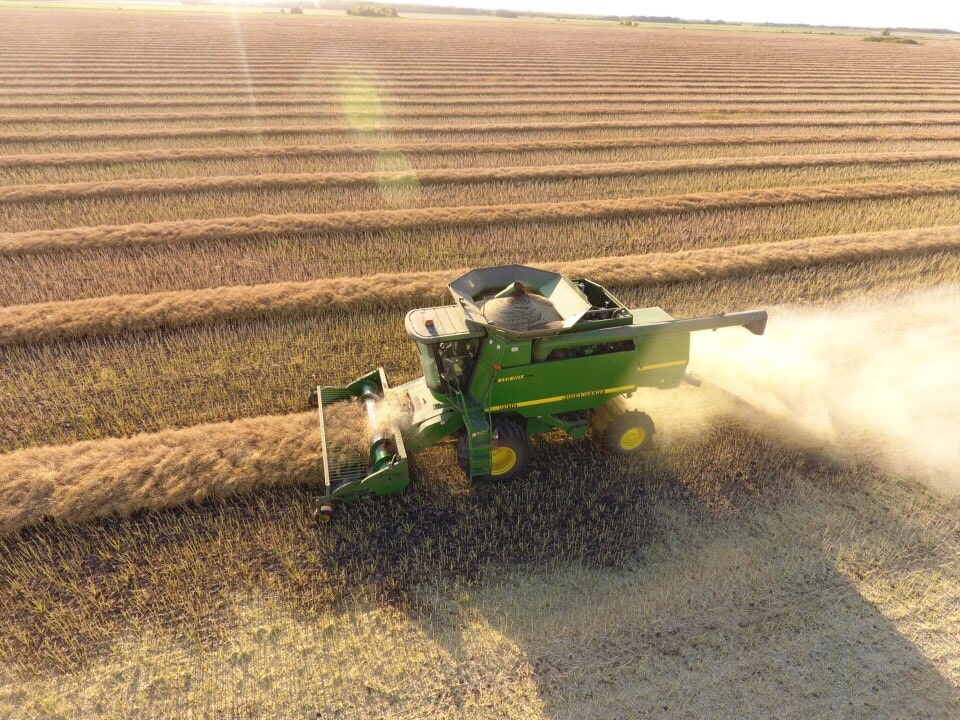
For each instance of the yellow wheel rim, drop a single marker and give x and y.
(503, 459)
(633, 438)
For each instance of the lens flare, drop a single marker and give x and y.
(247, 77)
(363, 111)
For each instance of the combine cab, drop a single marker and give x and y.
(522, 351)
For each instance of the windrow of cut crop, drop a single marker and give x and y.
(54, 61)
(437, 78)
(261, 226)
(77, 482)
(129, 96)
(503, 96)
(66, 320)
(434, 79)
(549, 76)
(325, 68)
(447, 176)
(157, 58)
(46, 136)
(649, 106)
(453, 148)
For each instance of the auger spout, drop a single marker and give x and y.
(755, 321)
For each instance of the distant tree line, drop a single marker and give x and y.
(885, 36)
(630, 19)
(622, 19)
(373, 11)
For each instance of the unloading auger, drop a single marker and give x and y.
(521, 352)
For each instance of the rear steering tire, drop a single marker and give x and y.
(509, 457)
(628, 433)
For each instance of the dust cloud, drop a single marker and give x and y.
(875, 380)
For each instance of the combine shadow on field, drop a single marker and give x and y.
(735, 608)
(755, 621)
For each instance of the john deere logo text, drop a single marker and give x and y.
(589, 393)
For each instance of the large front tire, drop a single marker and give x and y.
(510, 454)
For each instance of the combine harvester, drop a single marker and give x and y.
(522, 352)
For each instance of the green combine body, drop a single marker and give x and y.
(491, 384)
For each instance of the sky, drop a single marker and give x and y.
(861, 13)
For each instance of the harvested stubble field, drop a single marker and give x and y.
(204, 215)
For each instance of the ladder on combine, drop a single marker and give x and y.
(478, 428)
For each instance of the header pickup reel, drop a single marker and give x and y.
(521, 351)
